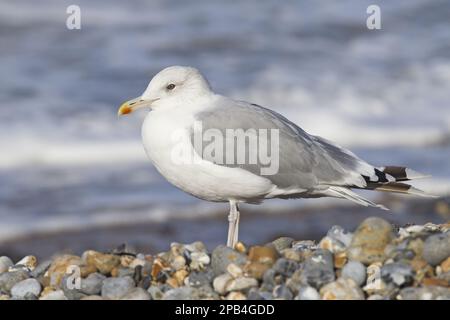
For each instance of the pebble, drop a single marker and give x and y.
(241, 283)
(282, 243)
(424, 293)
(26, 287)
(155, 293)
(136, 294)
(200, 278)
(9, 279)
(27, 263)
(222, 256)
(40, 269)
(92, 285)
(60, 266)
(318, 269)
(234, 270)
(104, 263)
(220, 283)
(342, 289)
(285, 267)
(267, 255)
(337, 233)
(236, 295)
(282, 292)
(183, 293)
(369, 241)
(256, 269)
(445, 265)
(437, 248)
(199, 260)
(54, 295)
(355, 270)
(307, 293)
(116, 288)
(5, 264)
(398, 273)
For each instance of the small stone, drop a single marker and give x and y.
(104, 263)
(200, 278)
(9, 279)
(240, 247)
(234, 270)
(437, 248)
(222, 256)
(92, 285)
(116, 288)
(340, 259)
(93, 297)
(282, 292)
(180, 275)
(445, 265)
(337, 233)
(285, 267)
(236, 295)
(241, 283)
(369, 241)
(136, 262)
(155, 293)
(398, 273)
(182, 293)
(60, 266)
(53, 295)
(40, 269)
(24, 287)
(126, 260)
(304, 245)
(331, 245)
(255, 269)
(220, 283)
(342, 289)
(196, 246)
(282, 243)
(292, 254)
(28, 263)
(318, 269)
(307, 293)
(199, 260)
(267, 255)
(5, 264)
(355, 270)
(178, 262)
(136, 294)
(424, 293)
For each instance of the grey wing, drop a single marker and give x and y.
(302, 161)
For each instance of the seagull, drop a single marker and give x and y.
(224, 150)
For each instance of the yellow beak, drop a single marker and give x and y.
(131, 105)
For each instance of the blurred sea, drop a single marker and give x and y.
(68, 164)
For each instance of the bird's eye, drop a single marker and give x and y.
(170, 86)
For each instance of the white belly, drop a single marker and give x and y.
(162, 135)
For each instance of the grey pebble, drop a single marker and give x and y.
(116, 288)
(318, 269)
(5, 263)
(155, 293)
(41, 269)
(26, 288)
(285, 267)
(9, 279)
(398, 273)
(92, 284)
(222, 256)
(282, 292)
(437, 248)
(282, 243)
(136, 294)
(356, 271)
(307, 293)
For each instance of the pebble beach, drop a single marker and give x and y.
(376, 261)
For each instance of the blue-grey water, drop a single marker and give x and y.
(68, 163)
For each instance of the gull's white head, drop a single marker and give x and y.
(173, 85)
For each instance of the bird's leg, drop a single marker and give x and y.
(236, 231)
(233, 220)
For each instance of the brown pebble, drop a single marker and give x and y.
(267, 255)
(445, 265)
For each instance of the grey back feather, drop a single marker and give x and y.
(305, 161)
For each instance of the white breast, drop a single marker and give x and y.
(164, 134)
